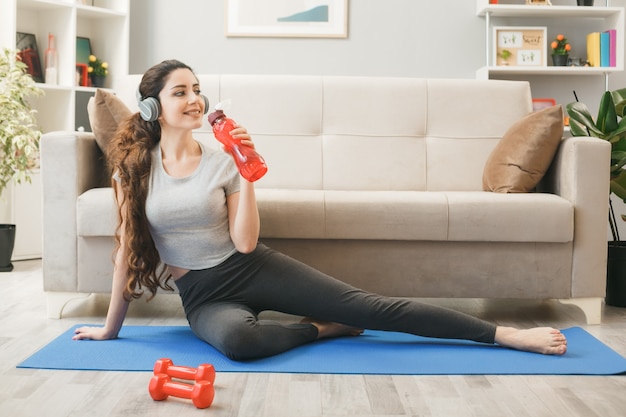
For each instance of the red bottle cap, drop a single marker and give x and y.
(215, 115)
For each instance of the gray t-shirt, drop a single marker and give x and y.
(188, 216)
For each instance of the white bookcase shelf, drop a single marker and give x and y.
(63, 106)
(105, 24)
(577, 20)
(515, 10)
(549, 70)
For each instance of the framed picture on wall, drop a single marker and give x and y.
(26, 45)
(520, 46)
(83, 50)
(543, 103)
(293, 18)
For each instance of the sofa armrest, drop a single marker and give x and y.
(580, 174)
(71, 163)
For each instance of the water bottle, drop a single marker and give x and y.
(251, 165)
(51, 62)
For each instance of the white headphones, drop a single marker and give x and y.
(150, 108)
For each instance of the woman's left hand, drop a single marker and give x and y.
(241, 133)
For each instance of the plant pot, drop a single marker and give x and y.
(616, 274)
(97, 80)
(584, 2)
(7, 241)
(559, 60)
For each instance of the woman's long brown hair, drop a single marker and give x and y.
(129, 155)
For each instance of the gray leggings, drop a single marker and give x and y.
(222, 306)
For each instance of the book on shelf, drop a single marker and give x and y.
(593, 49)
(604, 49)
(612, 47)
(601, 48)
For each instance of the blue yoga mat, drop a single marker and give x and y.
(375, 352)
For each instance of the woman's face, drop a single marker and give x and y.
(181, 104)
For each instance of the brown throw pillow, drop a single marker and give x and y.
(525, 152)
(106, 111)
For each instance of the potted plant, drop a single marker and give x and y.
(560, 50)
(97, 70)
(19, 137)
(609, 125)
(505, 54)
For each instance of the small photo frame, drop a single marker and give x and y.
(293, 18)
(543, 103)
(28, 53)
(82, 77)
(523, 46)
(83, 50)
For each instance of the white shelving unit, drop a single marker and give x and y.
(106, 24)
(596, 18)
(26, 213)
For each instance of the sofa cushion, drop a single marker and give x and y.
(523, 155)
(106, 111)
(96, 212)
(291, 213)
(386, 215)
(463, 216)
(371, 215)
(515, 217)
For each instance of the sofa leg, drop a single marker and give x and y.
(591, 306)
(58, 300)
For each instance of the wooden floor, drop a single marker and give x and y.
(24, 329)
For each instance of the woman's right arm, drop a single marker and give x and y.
(118, 305)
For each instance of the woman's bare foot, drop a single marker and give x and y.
(326, 329)
(544, 340)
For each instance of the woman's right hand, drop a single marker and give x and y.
(93, 333)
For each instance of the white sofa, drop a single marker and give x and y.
(376, 181)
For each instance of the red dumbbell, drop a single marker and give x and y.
(201, 393)
(204, 372)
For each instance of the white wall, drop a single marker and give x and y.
(386, 37)
(442, 38)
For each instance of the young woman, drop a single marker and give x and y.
(184, 205)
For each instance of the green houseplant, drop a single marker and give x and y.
(19, 137)
(610, 125)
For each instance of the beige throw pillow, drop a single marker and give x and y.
(525, 152)
(106, 111)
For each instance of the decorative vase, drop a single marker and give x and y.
(7, 241)
(97, 80)
(584, 2)
(616, 274)
(559, 60)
